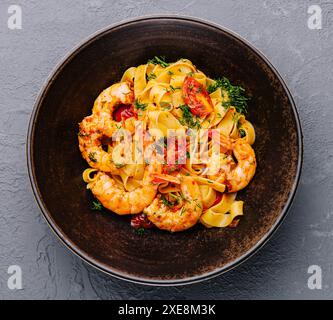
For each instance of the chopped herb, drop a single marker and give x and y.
(166, 202)
(197, 204)
(174, 88)
(236, 94)
(159, 60)
(139, 231)
(139, 105)
(182, 211)
(183, 197)
(165, 105)
(170, 73)
(119, 165)
(173, 195)
(92, 156)
(81, 134)
(242, 133)
(188, 156)
(188, 118)
(239, 124)
(226, 105)
(235, 119)
(151, 76)
(97, 206)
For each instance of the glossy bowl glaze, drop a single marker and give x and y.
(106, 240)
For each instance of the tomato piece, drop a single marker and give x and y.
(234, 223)
(123, 112)
(218, 198)
(141, 221)
(169, 168)
(157, 180)
(197, 97)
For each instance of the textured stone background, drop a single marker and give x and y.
(278, 28)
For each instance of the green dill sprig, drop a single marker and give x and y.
(197, 203)
(120, 165)
(139, 105)
(173, 89)
(92, 156)
(151, 76)
(97, 206)
(236, 94)
(165, 105)
(166, 202)
(139, 231)
(182, 211)
(82, 134)
(188, 118)
(242, 133)
(159, 60)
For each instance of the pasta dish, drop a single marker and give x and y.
(169, 146)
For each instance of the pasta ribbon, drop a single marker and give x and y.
(164, 121)
(86, 175)
(247, 127)
(222, 214)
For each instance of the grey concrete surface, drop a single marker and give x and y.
(303, 57)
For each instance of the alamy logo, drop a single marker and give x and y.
(14, 281)
(15, 18)
(315, 280)
(315, 18)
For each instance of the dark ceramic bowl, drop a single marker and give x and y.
(106, 240)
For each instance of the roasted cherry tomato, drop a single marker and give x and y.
(123, 112)
(197, 97)
(234, 223)
(141, 221)
(169, 168)
(218, 198)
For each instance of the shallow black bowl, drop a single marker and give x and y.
(106, 240)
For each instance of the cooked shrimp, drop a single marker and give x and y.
(92, 131)
(115, 198)
(240, 176)
(119, 93)
(177, 218)
(101, 124)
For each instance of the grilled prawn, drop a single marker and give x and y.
(100, 124)
(117, 199)
(180, 217)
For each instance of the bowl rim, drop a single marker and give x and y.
(93, 261)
